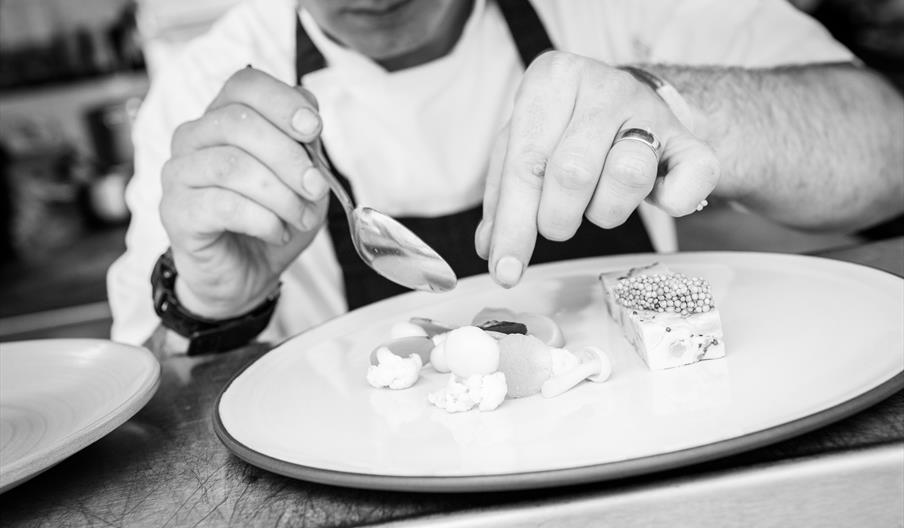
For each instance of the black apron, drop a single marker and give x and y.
(452, 236)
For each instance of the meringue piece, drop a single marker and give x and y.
(393, 371)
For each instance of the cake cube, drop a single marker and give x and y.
(669, 318)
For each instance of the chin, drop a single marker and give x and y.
(382, 29)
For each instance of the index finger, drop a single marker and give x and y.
(291, 108)
(542, 110)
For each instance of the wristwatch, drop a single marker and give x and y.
(204, 335)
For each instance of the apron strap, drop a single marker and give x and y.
(526, 29)
(308, 58)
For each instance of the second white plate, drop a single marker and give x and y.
(59, 395)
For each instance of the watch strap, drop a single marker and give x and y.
(667, 93)
(204, 335)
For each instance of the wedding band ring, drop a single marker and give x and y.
(642, 136)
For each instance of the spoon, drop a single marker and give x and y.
(383, 243)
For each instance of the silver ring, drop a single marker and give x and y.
(642, 136)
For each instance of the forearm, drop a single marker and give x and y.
(814, 147)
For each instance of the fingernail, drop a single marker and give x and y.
(480, 236)
(305, 122)
(313, 183)
(508, 271)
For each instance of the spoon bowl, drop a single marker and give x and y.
(383, 243)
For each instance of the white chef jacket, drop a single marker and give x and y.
(416, 142)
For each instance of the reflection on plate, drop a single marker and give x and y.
(59, 395)
(809, 341)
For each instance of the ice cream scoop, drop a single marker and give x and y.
(469, 350)
(594, 365)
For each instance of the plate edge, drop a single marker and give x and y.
(98, 429)
(563, 476)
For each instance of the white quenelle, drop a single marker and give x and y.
(468, 350)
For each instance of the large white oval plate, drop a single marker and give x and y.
(59, 395)
(809, 341)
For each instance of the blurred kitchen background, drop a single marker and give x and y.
(72, 76)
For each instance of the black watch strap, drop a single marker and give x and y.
(204, 335)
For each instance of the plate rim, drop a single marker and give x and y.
(539, 479)
(563, 476)
(37, 462)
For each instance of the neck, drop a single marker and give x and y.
(447, 36)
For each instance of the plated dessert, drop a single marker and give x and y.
(500, 354)
(669, 318)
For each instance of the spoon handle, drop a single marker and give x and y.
(315, 152)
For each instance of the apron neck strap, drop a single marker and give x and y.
(523, 22)
(308, 58)
(527, 29)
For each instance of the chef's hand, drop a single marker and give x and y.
(556, 162)
(241, 199)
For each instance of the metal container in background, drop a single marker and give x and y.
(110, 126)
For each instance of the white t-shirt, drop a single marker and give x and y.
(416, 142)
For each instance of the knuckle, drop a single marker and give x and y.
(618, 85)
(164, 209)
(633, 173)
(608, 216)
(533, 165)
(556, 227)
(169, 175)
(556, 63)
(170, 225)
(593, 120)
(233, 115)
(181, 136)
(547, 71)
(572, 174)
(173, 217)
(224, 164)
(240, 77)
